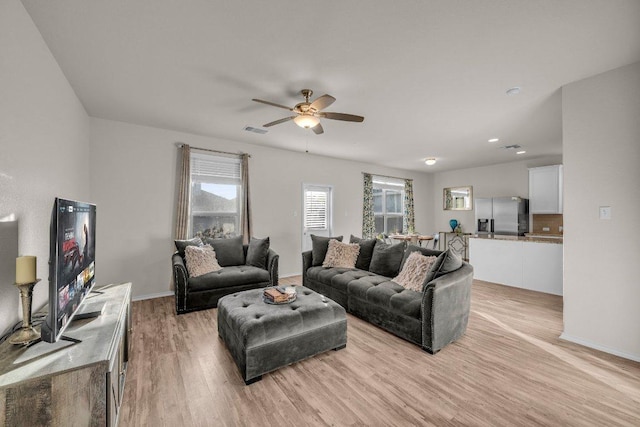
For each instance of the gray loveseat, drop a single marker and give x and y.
(431, 319)
(244, 267)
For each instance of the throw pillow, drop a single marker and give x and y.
(446, 262)
(228, 251)
(319, 247)
(424, 251)
(366, 251)
(201, 260)
(386, 259)
(258, 252)
(343, 255)
(414, 271)
(182, 244)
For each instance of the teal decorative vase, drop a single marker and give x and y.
(453, 223)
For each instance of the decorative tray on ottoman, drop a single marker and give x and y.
(278, 295)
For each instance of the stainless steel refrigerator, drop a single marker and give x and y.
(502, 215)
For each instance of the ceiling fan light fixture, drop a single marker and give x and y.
(306, 121)
(430, 161)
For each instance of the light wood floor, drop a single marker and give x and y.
(510, 369)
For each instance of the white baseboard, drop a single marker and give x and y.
(586, 343)
(151, 296)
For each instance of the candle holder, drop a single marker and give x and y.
(26, 334)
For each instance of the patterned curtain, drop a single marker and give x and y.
(246, 204)
(409, 218)
(182, 207)
(368, 219)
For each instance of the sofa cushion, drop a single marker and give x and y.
(414, 271)
(228, 277)
(325, 275)
(424, 251)
(228, 251)
(341, 254)
(257, 252)
(386, 259)
(366, 251)
(394, 298)
(182, 244)
(446, 262)
(200, 260)
(358, 288)
(319, 247)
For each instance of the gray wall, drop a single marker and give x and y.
(508, 179)
(133, 183)
(601, 128)
(44, 141)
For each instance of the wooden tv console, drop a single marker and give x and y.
(68, 383)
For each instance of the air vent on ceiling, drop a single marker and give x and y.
(255, 130)
(510, 147)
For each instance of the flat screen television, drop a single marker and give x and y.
(71, 263)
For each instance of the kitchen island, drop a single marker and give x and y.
(529, 262)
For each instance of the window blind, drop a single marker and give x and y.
(316, 210)
(219, 169)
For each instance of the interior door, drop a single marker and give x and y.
(316, 212)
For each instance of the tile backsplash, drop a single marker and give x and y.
(547, 224)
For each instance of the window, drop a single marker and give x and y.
(316, 209)
(388, 204)
(216, 194)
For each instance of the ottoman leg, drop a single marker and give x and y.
(340, 347)
(253, 380)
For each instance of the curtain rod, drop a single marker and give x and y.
(181, 144)
(386, 176)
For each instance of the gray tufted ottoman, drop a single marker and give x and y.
(263, 337)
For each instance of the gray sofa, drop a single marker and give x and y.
(431, 319)
(241, 271)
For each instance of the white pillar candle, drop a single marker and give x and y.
(25, 269)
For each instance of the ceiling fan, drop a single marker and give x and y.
(308, 114)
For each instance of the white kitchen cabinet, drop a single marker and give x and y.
(545, 190)
(520, 263)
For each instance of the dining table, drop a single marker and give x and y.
(412, 238)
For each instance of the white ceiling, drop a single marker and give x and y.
(429, 76)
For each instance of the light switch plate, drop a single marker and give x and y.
(605, 212)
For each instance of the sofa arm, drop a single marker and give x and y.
(180, 278)
(306, 264)
(272, 266)
(445, 308)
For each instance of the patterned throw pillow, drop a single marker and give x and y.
(201, 260)
(342, 255)
(414, 271)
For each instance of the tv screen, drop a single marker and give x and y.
(71, 263)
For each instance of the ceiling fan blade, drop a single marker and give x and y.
(323, 102)
(277, 122)
(342, 116)
(317, 129)
(273, 104)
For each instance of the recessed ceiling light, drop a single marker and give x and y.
(514, 90)
(430, 161)
(521, 152)
(494, 140)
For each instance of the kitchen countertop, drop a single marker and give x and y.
(536, 238)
